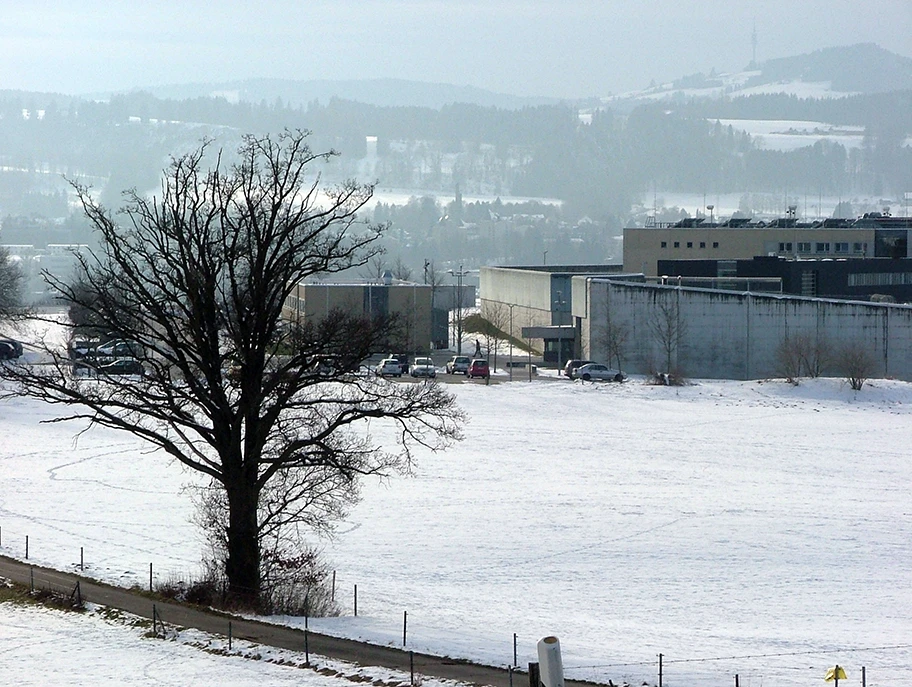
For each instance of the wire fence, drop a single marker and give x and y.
(874, 666)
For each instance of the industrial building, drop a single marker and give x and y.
(875, 235)
(312, 301)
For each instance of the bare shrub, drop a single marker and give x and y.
(857, 362)
(801, 355)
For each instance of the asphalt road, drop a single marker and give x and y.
(361, 653)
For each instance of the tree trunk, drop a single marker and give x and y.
(242, 566)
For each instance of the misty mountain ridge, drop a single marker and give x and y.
(379, 92)
(833, 72)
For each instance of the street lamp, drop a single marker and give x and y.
(459, 274)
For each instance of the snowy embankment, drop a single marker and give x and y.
(735, 527)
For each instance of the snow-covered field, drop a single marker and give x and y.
(735, 527)
(42, 647)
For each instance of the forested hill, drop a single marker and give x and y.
(861, 68)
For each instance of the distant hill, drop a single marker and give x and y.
(861, 68)
(381, 92)
(837, 72)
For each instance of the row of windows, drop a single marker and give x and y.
(881, 279)
(823, 247)
(690, 244)
(803, 246)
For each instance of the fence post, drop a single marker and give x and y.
(356, 601)
(333, 596)
(515, 661)
(26, 547)
(229, 635)
(150, 578)
(412, 668)
(32, 580)
(81, 559)
(154, 621)
(660, 670)
(510, 670)
(864, 681)
(404, 625)
(737, 683)
(534, 675)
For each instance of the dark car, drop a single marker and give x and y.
(478, 368)
(119, 366)
(573, 365)
(10, 349)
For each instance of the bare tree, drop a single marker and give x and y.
(801, 354)
(614, 339)
(788, 359)
(375, 267)
(498, 317)
(857, 362)
(197, 279)
(401, 270)
(10, 285)
(668, 328)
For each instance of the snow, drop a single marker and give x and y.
(788, 135)
(41, 646)
(755, 528)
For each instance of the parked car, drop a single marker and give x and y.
(478, 368)
(120, 366)
(118, 348)
(403, 360)
(458, 364)
(572, 365)
(389, 367)
(423, 367)
(10, 349)
(592, 371)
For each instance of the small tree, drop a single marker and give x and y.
(857, 362)
(668, 328)
(11, 279)
(788, 359)
(198, 279)
(614, 339)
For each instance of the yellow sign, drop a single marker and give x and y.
(835, 673)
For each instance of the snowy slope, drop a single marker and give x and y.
(759, 521)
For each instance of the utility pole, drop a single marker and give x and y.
(511, 306)
(459, 274)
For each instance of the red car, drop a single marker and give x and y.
(478, 368)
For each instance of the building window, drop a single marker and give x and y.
(702, 244)
(664, 244)
(804, 247)
(859, 247)
(690, 244)
(715, 244)
(677, 244)
(785, 247)
(842, 247)
(822, 247)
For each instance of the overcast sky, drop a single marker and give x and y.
(563, 48)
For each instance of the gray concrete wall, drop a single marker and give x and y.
(737, 335)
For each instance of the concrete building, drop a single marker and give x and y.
(410, 302)
(724, 334)
(535, 303)
(874, 235)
